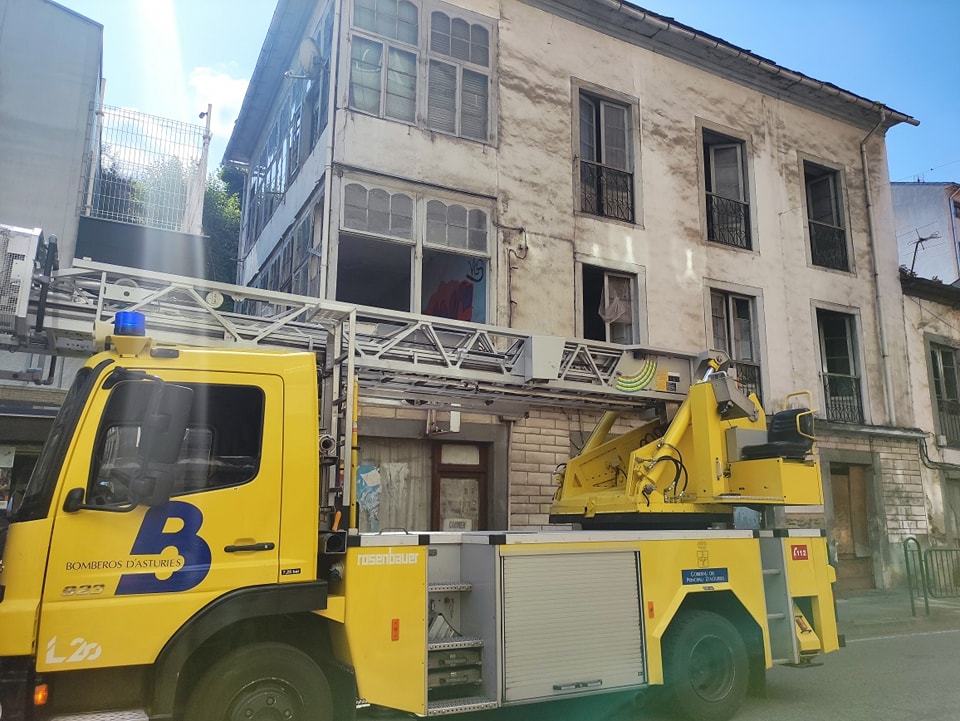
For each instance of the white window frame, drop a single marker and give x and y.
(854, 353)
(638, 289)
(841, 208)
(418, 242)
(729, 295)
(705, 153)
(424, 56)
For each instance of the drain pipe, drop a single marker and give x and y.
(953, 225)
(878, 303)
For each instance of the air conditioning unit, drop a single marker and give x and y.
(18, 253)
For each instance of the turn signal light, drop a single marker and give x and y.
(41, 693)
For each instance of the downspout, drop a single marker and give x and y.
(328, 148)
(878, 304)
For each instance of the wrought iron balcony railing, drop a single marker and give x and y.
(828, 246)
(606, 191)
(844, 402)
(728, 221)
(748, 378)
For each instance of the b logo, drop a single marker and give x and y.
(152, 541)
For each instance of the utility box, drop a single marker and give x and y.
(542, 356)
(18, 250)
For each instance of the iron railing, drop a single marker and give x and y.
(828, 246)
(949, 414)
(606, 191)
(728, 221)
(844, 402)
(748, 378)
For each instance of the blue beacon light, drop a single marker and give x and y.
(129, 322)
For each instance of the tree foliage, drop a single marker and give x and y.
(221, 223)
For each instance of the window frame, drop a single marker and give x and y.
(637, 277)
(813, 169)
(854, 359)
(942, 346)
(583, 90)
(729, 296)
(425, 56)
(711, 136)
(418, 242)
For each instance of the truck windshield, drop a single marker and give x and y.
(33, 500)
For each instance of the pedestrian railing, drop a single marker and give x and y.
(931, 573)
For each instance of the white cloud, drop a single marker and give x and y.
(225, 93)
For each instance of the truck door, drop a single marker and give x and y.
(122, 578)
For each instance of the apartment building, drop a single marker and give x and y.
(585, 168)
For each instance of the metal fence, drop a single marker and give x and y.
(932, 573)
(844, 402)
(146, 170)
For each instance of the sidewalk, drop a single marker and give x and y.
(868, 614)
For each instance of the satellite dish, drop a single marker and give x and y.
(307, 53)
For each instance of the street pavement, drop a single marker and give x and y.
(869, 614)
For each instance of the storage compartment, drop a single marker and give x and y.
(572, 624)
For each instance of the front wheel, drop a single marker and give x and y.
(706, 668)
(262, 682)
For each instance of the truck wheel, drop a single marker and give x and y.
(706, 668)
(261, 682)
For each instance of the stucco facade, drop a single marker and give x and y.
(580, 168)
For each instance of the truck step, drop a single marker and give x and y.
(460, 705)
(136, 714)
(452, 643)
(771, 572)
(776, 616)
(450, 587)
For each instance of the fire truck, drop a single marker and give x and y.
(187, 546)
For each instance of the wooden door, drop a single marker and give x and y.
(851, 528)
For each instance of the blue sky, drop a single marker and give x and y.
(172, 57)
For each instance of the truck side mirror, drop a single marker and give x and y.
(164, 426)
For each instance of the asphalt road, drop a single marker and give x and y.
(912, 676)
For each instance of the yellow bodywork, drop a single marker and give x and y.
(686, 470)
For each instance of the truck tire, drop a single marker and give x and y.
(261, 681)
(706, 669)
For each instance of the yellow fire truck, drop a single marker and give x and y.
(187, 546)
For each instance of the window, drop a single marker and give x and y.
(946, 392)
(956, 209)
(609, 306)
(727, 199)
(426, 255)
(838, 364)
(735, 332)
(387, 75)
(221, 446)
(606, 177)
(828, 239)
(287, 269)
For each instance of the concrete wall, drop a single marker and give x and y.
(45, 114)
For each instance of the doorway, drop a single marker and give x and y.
(459, 497)
(851, 527)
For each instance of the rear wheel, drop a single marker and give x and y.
(262, 682)
(706, 668)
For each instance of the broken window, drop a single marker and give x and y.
(385, 231)
(735, 332)
(828, 239)
(609, 306)
(727, 199)
(606, 177)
